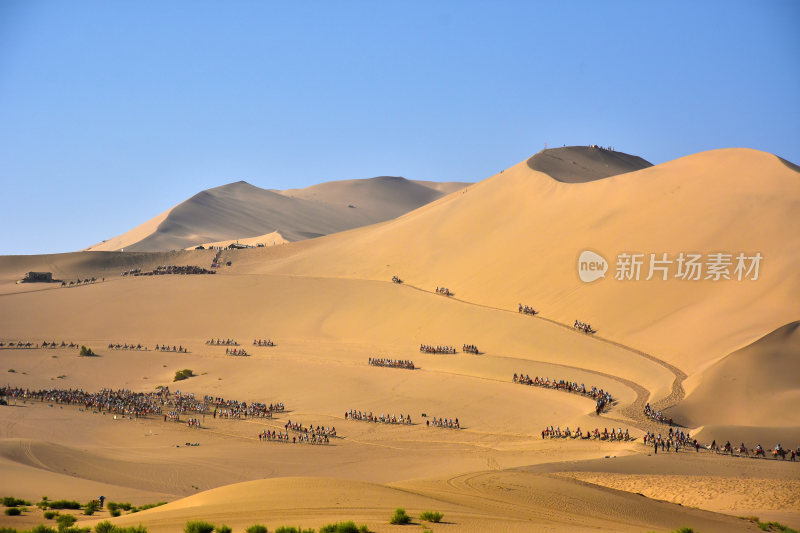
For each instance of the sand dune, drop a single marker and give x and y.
(329, 305)
(516, 237)
(579, 164)
(269, 239)
(469, 504)
(242, 211)
(749, 386)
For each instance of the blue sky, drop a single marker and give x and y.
(112, 112)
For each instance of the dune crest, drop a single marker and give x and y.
(579, 164)
(243, 211)
(516, 237)
(753, 386)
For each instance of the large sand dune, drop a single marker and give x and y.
(240, 210)
(516, 237)
(329, 305)
(755, 384)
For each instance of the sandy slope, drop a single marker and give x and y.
(492, 501)
(270, 239)
(240, 211)
(723, 394)
(578, 164)
(329, 305)
(516, 237)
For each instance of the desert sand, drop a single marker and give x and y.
(328, 304)
(243, 211)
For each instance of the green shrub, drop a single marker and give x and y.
(125, 506)
(64, 504)
(10, 501)
(41, 528)
(431, 516)
(344, 527)
(50, 514)
(65, 521)
(292, 529)
(4, 529)
(13, 511)
(91, 507)
(256, 528)
(223, 529)
(683, 530)
(108, 527)
(150, 506)
(86, 352)
(198, 526)
(774, 526)
(116, 512)
(112, 506)
(183, 374)
(400, 517)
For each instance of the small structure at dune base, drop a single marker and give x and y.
(38, 277)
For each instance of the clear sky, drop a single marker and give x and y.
(112, 112)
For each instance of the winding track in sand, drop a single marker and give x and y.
(634, 411)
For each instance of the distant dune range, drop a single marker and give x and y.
(243, 211)
(720, 356)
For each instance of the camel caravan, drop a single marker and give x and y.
(742, 451)
(391, 363)
(169, 270)
(425, 348)
(397, 280)
(240, 352)
(676, 440)
(603, 399)
(657, 416)
(470, 348)
(143, 404)
(444, 291)
(264, 342)
(527, 310)
(78, 282)
(126, 346)
(273, 436)
(352, 414)
(166, 348)
(26, 345)
(319, 431)
(673, 441)
(54, 344)
(440, 422)
(222, 342)
(234, 409)
(586, 328)
(613, 435)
